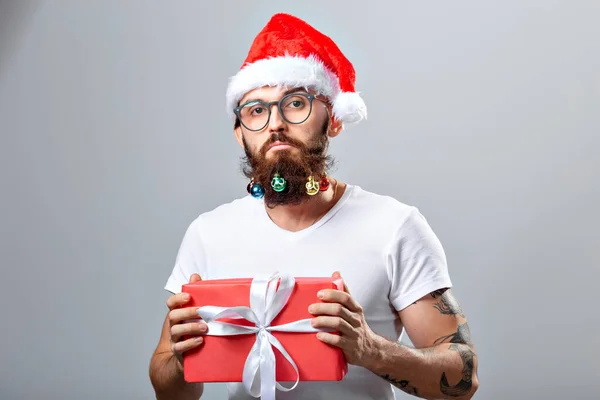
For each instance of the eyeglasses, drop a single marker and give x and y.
(295, 108)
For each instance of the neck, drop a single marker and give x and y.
(297, 217)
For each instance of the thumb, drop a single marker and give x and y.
(195, 278)
(336, 275)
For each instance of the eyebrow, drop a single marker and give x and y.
(296, 89)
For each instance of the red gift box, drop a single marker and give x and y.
(222, 358)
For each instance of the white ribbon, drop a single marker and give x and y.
(266, 301)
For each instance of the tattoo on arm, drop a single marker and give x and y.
(438, 293)
(461, 336)
(401, 384)
(448, 305)
(464, 385)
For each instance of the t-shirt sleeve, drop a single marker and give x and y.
(190, 259)
(417, 262)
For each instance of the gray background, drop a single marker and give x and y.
(485, 115)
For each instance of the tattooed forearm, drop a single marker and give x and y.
(461, 336)
(430, 372)
(401, 384)
(448, 305)
(445, 368)
(465, 384)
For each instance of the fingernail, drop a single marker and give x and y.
(202, 326)
(199, 339)
(310, 309)
(186, 296)
(320, 294)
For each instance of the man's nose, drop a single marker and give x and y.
(276, 122)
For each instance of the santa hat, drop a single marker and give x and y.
(290, 52)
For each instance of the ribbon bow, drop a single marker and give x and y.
(266, 301)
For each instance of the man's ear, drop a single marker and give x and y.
(335, 128)
(238, 135)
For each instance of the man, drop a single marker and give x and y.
(294, 92)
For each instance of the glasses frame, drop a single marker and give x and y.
(269, 106)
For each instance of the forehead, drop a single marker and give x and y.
(272, 93)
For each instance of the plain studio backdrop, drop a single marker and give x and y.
(485, 115)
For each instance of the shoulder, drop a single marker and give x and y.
(379, 207)
(226, 213)
(218, 222)
(387, 218)
(221, 219)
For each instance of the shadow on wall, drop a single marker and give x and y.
(14, 19)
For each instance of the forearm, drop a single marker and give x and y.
(446, 371)
(168, 382)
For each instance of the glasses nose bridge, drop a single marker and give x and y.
(277, 105)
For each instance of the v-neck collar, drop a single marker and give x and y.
(268, 222)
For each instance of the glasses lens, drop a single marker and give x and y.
(296, 108)
(254, 115)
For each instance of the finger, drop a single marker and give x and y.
(177, 300)
(335, 323)
(186, 345)
(337, 296)
(331, 339)
(337, 275)
(182, 314)
(195, 278)
(191, 329)
(335, 309)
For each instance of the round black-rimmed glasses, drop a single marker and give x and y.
(294, 108)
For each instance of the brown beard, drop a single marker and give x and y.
(295, 169)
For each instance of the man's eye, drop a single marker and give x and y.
(294, 103)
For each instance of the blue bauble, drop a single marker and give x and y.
(257, 191)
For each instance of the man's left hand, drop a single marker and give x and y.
(340, 312)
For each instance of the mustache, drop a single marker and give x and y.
(281, 137)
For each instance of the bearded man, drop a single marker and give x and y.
(295, 92)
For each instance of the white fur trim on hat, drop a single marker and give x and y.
(294, 71)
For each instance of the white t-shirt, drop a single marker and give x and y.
(384, 249)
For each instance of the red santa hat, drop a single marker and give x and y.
(290, 52)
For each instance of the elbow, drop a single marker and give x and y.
(470, 367)
(473, 389)
(474, 380)
(464, 391)
(475, 385)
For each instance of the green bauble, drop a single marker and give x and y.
(278, 183)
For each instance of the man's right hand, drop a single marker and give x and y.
(184, 321)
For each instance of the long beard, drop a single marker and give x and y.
(312, 160)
